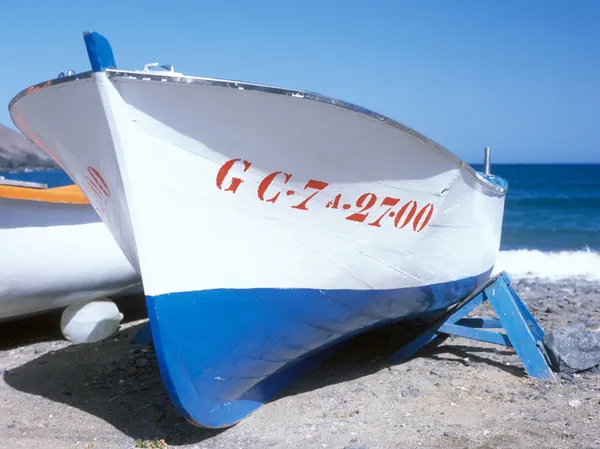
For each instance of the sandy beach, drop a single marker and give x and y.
(460, 394)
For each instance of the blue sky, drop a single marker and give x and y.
(520, 76)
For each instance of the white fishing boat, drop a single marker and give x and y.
(56, 253)
(267, 224)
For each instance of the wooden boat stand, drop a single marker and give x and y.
(522, 331)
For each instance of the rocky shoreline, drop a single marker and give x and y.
(17, 153)
(460, 394)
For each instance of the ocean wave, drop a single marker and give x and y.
(551, 265)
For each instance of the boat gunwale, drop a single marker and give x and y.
(498, 189)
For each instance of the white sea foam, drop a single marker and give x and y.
(553, 265)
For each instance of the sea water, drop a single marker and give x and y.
(551, 225)
(53, 178)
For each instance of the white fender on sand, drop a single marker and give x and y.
(90, 321)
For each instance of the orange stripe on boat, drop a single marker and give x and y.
(66, 194)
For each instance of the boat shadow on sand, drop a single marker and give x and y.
(120, 382)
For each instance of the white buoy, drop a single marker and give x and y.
(90, 321)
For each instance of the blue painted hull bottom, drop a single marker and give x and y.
(223, 353)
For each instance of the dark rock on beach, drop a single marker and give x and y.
(573, 349)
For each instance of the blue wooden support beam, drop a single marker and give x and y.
(522, 332)
(475, 334)
(486, 323)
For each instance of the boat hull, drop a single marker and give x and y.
(268, 225)
(225, 352)
(55, 255)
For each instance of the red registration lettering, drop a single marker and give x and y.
(224, 171)
(311, 184)
(426, 211)
(409, 212)
(387, 201)
(366, 201)
(408, 217)
(266, 182)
